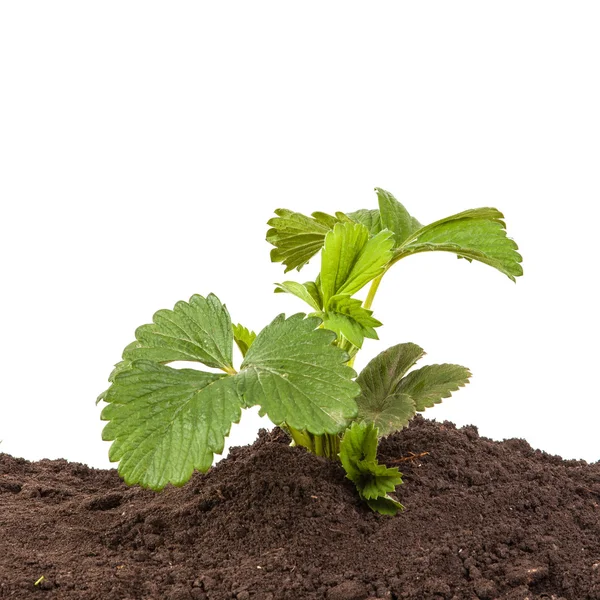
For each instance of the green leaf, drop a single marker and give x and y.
(370, 218)
(199, 330)
(358, 444)
(476, 234)
(301, 291)
(358, 454)
(384, 372)
(347, 317)
(312, 287)
(395, 217)
(350, 259)
(380, 402)
(243, 337)
(389, 398)
(166, 422)
(428, 385)
(388, 414)
(296, 237)
(295, 374)
(377, 480)
(118, 368)
(385, 505)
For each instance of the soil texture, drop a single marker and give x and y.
(484, 520)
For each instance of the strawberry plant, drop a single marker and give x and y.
(164, 422)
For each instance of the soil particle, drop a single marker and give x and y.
(485, 589)
(484, 520)
(348, 590)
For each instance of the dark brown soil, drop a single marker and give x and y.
(483, 520)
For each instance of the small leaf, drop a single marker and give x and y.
(370, 218)
(198, 330)
(476, 234)
(350, 259)
(312, 287)
(395, 217)
(243, 337)
(388, 414)
(347, 317)
(298, 377)
(389, 399)
(165, 422)
(385, 505)
(380, 401)
(377, 480)
(296, 237)
(358, 444)
(300, 290)
(358, 454)
(384, 372)
(428, 385)
(325, 219)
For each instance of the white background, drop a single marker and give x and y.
(144, 145)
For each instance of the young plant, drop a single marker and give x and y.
(165, 423)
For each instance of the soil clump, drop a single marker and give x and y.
(484, 520)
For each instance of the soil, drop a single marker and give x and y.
(483, 520)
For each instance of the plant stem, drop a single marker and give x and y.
(318, 440)
(372, 291)
(327, 444)
(301, 438)
(368, 302)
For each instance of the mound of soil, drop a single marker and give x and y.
(483, 520)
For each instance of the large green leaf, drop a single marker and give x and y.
(428, 385)
(351, 258)
(476, 234)
(395, 217)
(298, 377)
(198, 330)
(347, 317)
(165, 422)
(118, 368)
(380, 402)
(358, 455)
(296, 237)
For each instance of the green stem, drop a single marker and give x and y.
(301, 438)
(369, 301)
(372, 291)
(318, 441)
(327, 444)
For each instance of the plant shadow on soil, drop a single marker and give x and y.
(484, 520)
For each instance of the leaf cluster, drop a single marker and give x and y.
(167, 422)
(164, 422)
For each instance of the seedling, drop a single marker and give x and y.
(165, 422)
